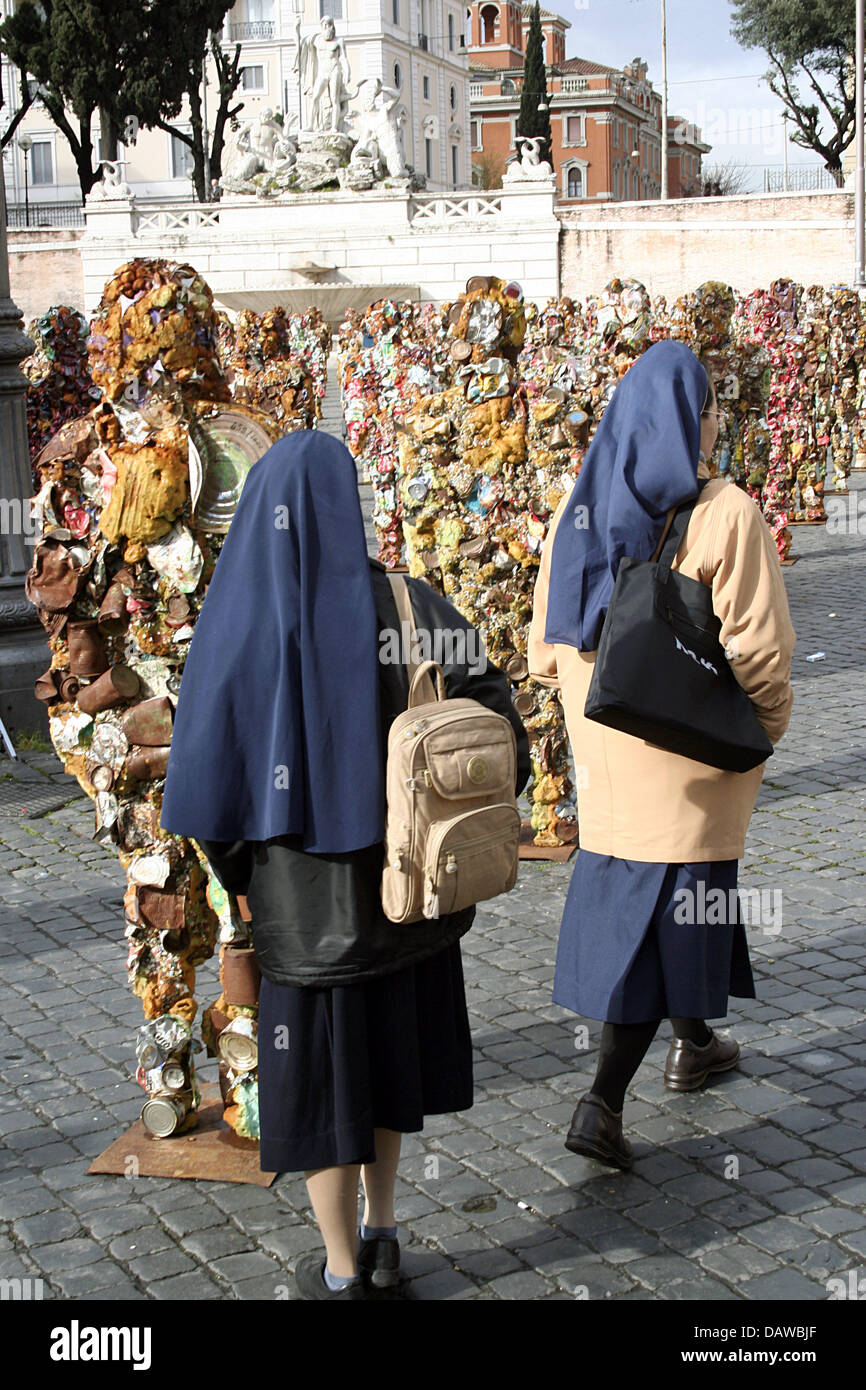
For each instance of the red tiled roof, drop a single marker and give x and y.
(584, 67)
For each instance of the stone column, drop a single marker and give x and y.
(23, 649)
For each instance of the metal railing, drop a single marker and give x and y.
(252, 29)
(44, 215)
(810, 178)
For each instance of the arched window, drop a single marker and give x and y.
(616, 183)
(398, 76)
(452, 97)
(575, 182)
(489, 17)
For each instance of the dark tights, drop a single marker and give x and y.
(623, 1048)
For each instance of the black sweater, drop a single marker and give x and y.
(317, 918)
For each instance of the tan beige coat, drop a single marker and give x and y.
(640, 802)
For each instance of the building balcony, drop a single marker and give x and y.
(252, 29)
(574, 84)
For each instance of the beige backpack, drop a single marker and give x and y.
(452, 828)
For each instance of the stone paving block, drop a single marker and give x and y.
(527, 1284)
(161, 1264)
(778, 1234)
(67, 1254)
(783, 1285)
(189, 1287)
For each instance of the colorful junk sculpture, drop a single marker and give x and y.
(134, 502)
(483, 463)
(60, 385)
(277, 362)
(389, 357)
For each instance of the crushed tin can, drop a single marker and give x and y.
(108, 745)
(238, 1045)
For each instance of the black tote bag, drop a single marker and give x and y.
(661, 672)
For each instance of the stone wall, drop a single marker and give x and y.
(430, 246)
(45, 269)
(747, 241)
(323, 248)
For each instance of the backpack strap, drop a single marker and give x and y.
(423, 685)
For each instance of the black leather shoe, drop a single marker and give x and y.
(310, 1282)
(596, 1132)
(688, 1066)
(379, 1261)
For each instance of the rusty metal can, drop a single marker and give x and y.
(113, 617)
(149, 724)
(45, 688)
(69, 687)
(115, 685)
(241, 976)
(238, 1045)
(87, 654)
(144, 763)
(100, 776)
(517, 668)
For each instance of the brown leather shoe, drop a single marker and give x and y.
(688, 1066)
(596, 1132)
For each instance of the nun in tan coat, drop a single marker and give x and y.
(652, 927)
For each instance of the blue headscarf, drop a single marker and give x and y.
(277, 726)
(643, 460)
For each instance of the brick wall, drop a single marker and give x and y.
(747, 241)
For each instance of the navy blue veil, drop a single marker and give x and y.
(643, 460)
(277, 725)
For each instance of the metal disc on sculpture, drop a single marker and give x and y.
(226, 446)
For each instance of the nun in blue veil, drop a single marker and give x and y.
(657, 831)
(277, 771)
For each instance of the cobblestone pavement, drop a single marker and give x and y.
(753, 1189)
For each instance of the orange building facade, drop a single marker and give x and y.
(605, 122)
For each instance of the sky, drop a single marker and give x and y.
(711, 80)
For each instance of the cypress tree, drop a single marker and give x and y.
(531, 121)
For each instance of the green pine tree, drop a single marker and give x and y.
(531, 121)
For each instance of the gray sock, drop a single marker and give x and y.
(339, 1281)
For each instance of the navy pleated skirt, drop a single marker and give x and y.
(644, 941)
(335, 1064)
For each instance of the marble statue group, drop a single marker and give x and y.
(273, 153)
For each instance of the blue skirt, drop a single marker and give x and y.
(381, 1054)
(644, 941)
